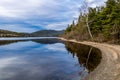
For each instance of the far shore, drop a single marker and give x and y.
(109, 68)
(24, 38)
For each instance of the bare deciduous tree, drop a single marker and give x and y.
(85, 10)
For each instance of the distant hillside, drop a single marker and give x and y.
(47, 33)
(41, 33)
(6, 33)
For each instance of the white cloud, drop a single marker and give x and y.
(19, 8)
(96, 3)
(6, 61)
(58, 25)
(56, 13)
(56, 47)
(20, 46)
(18, 28)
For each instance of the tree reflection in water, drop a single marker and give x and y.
(2, 42)
(41, 41)
(88, 56)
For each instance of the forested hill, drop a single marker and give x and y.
(41, 33)
(102, 22)
(6, 33)
(47, 33)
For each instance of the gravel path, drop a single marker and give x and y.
(109, 68)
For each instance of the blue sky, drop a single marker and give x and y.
(33, 15)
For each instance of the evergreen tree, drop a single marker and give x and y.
(103, 23)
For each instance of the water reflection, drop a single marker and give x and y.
(47, 41)
(45, 59)
(41, 41)
(7, 42)
(88, 56)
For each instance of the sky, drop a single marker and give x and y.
(33, 15)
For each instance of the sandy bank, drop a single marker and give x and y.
(109, 68)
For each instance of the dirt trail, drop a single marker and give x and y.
(109, 68)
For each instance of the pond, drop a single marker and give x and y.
(46, 59)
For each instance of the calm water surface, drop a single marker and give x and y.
(46, 59)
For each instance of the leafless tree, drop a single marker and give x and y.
(85, 10)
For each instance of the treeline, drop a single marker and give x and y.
(103, 23)
(6, 33)
(47, 33)
(40, 33)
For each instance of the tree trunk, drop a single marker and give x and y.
(87, 23)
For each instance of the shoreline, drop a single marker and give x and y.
(25, 38)
(109, 68)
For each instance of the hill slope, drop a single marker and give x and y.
(6, 33)
(47, 33)
(41, 33)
